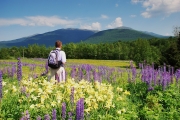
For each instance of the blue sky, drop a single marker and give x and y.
(21, 18)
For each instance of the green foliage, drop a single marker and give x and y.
(154, 50)
(156, 104)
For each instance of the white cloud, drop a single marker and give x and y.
(38, 21)
(117, 23)
(116, 5)
(93, 26)
(159, 7)
(104, 16)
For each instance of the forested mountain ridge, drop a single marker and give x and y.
(48, 39)
(71, 35)
(122, 34)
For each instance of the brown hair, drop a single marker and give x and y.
(58, 43)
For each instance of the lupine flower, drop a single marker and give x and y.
(73, 72)
(80, 73)
(54, 114)
(133, 73)
(0, 84)
(64, 111)
(150, 88)
(164, 81)
(69, 115)
(88, 68)
(95, 75)
(19, 69)
(47, 117)
(80, 109)
(26, 116)
(13, 70)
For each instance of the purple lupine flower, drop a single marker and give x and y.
(19, 69)
(150, 88)
(9, 72)
(95, 75)
(140, 65)
(38, 118)
(80, 109)
(63, 115)
(73, 72)
(13, 70)
(47, 117)
(100, 77)
(26, 116)
(164, 81)
(80, 73)
(88, 69)
(155, 77)
(1, 85)
(70, 115)
(54, 114)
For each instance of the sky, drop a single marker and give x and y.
(22, 18)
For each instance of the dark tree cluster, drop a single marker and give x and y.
(155, 50)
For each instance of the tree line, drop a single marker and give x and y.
(156, 50)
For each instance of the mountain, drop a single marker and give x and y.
(49, 38)
(121, 33)
(155, 35)
(16, 40)
(77, 35)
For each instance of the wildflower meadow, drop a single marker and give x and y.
(117, 90)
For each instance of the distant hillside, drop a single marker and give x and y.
(49, 38)
(112, 35)
(77, 35)
(155, 35)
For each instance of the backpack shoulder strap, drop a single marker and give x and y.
(56, 53)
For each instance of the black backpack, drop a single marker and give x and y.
(53, 60)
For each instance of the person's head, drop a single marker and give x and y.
(58, 44)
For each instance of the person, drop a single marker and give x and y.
(58, 73)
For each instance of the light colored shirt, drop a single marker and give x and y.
(61, 55)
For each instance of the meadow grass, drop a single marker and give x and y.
(109, 63)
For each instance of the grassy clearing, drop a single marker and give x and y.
(109, 63)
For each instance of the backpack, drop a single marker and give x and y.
(53, 59)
